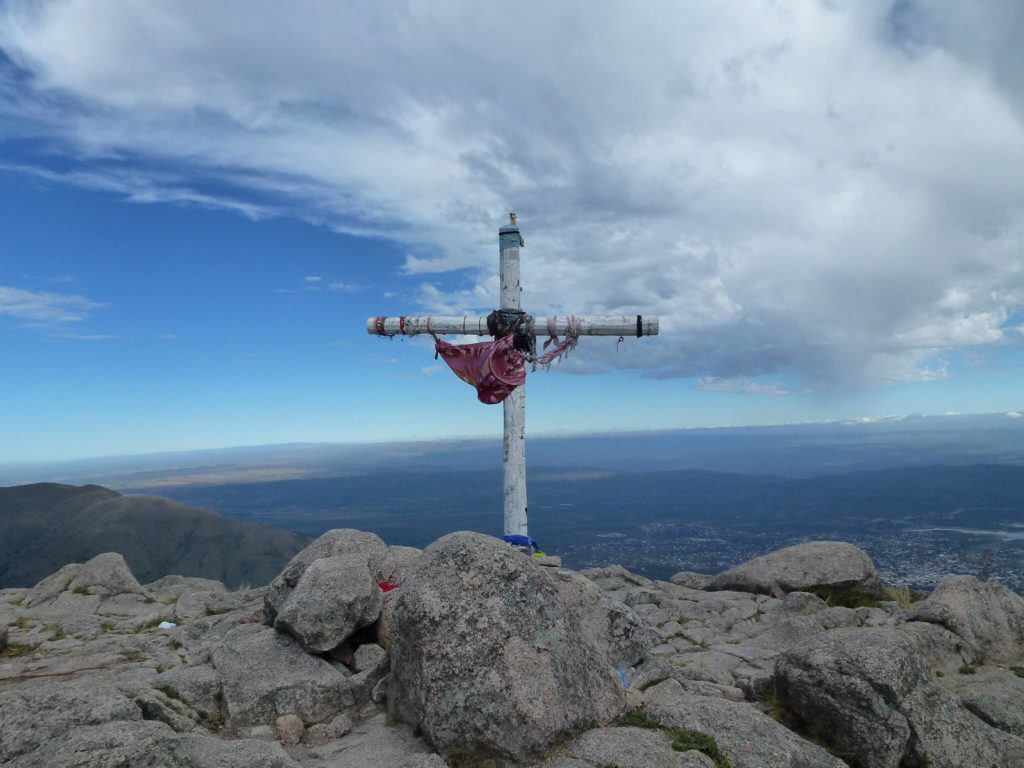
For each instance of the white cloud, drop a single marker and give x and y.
(830, 189)
(315, 283)
(43, 307)
(340, 286)
(740, 385)
(86, 336)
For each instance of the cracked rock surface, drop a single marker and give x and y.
(482, 658)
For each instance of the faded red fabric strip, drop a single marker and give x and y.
(495, 368)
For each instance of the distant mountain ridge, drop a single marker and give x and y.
(45, 525)
(785, 450)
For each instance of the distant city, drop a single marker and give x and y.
(911, 557)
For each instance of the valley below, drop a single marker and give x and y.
(919, 524)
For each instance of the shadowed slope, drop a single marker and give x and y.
(46, 525)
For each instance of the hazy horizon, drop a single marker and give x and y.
(857, 421)
(791, 450)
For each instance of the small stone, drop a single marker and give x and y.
(379, 694)
(663, 650)
(549, 561)
(342, 653)
(691, 580)
(322, 733)
(614, 577)
(803, 603)
(262, 732)
(289, 730)
(369, 657)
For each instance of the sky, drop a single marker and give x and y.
(201, 203)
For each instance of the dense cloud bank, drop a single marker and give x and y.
(814, 187)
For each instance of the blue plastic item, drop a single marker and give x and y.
(626, 676)
(518, 540)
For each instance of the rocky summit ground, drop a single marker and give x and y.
(482, 656)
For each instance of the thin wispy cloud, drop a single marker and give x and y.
(140, 186)
(54, 279)
(86, 336)
(340, 286)
(740, 385)
(42, 307)
(318, 283)
(820, 188)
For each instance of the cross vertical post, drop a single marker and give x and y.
(514, 442)
(510, 322)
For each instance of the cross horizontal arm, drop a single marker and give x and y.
(580, 325)
(414, 325)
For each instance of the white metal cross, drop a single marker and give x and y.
(498, 324)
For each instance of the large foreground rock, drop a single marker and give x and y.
(105, 575)
(393, 564)
(832, 565)
(339, 541)
(870, 693)
(496, 657)
(335, 597)
(626, 748)
(376, 744)
(745, 736)
(989, 617)
(266, 675)
(69, 724)
(994, 694)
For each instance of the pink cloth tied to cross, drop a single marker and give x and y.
(495, 368)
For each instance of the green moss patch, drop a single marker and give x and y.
(168, 690)
(682, 741)
(856, 598)
(14, 650)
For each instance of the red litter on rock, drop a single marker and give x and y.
(386, 586)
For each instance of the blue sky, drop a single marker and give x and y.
(824, 207)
